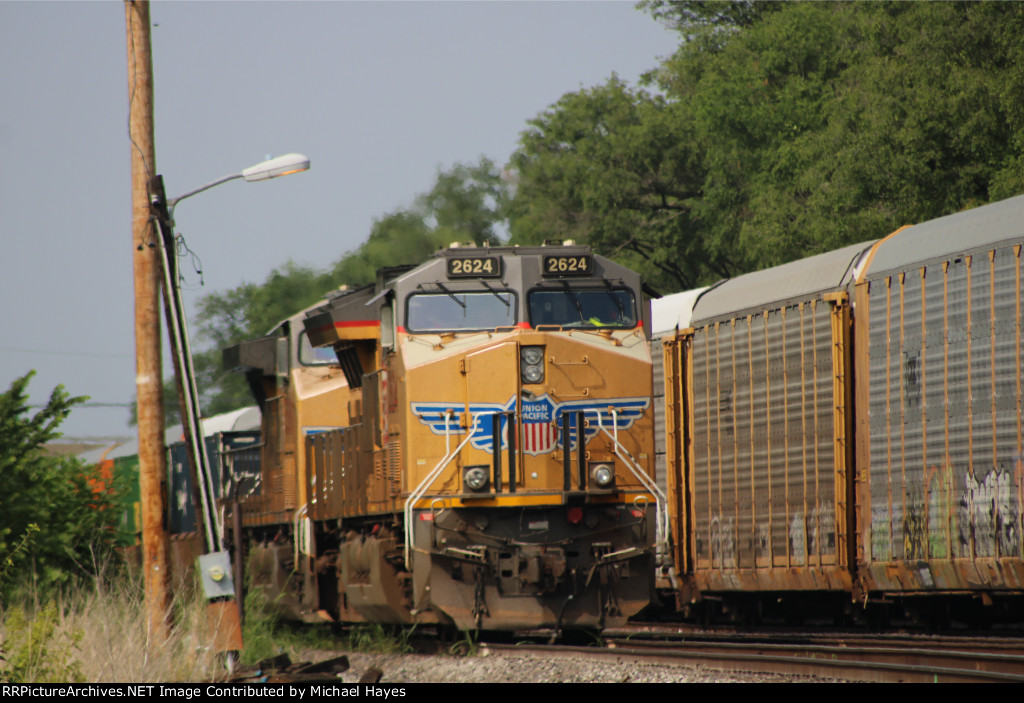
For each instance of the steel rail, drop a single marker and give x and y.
(882, 664)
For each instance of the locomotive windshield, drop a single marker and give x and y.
(454, 311)
(314, 356)
(586, 308)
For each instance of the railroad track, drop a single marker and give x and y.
(853, 657)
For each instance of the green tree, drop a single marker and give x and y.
(693, 18)
(616, 168)
(467, 204)
(780, 130)
(57, 516)
(823, 124)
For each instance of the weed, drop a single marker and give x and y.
(41, 643)
(465, 647)
(266, 635)
(380, 639)
(37, 649)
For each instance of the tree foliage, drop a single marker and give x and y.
(780, 130)
(58, 516)
(693, 18)
(616, 168)
(829, 123)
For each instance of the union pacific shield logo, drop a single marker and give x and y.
(541, 419)
(540, 431)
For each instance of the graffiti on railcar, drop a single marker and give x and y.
(798, 539)
(988, 516)
(915, 527)
(812, 535)
(723, 541)
(764, 541)
(881, 540)
(912, 378)
(938, 508)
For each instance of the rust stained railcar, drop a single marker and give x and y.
(764, 436)
(851, 423)
(938, 340)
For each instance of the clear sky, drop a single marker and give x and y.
(379, 95)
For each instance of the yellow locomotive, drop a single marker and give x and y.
(477, 449)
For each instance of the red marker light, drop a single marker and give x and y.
(574, 515)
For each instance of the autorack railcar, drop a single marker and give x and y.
(849, 425)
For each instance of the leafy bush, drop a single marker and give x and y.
(58, 520)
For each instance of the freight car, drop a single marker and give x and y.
(847, 428)
(476, 451)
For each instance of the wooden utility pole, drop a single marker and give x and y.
(148, 379)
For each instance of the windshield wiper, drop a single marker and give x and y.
(450, 294)
(575, 300)
(615, 299)
(496, 294)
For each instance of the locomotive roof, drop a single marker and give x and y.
(945, 238)
(774, 287)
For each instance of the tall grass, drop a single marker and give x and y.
(98, 634)
(265, 634)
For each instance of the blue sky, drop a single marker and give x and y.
(379, 95)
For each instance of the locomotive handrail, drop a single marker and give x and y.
(423, 485)
(583, 362)
(304, 542)
(660, 501)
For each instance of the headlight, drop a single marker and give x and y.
(603, 475)
(475, 478)
(533, 374)
(531, 364)
(532, 355)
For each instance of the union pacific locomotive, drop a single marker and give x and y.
(475, 447)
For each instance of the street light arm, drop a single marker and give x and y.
(271, 168)
(174, 201)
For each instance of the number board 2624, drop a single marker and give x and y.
(474, 267)
(568, 265)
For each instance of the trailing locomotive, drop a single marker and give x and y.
(850, 425)
(476, 449)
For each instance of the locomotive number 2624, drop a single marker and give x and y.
(474, 267)
(562, 265)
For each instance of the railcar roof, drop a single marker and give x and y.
(978, 229)
(672, 312)
(770, 288)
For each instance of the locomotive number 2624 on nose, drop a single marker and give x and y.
(474, 267)
(563, 265)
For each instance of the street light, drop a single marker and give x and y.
(271, 168)
(161, 212)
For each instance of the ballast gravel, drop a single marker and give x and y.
(492, 667)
